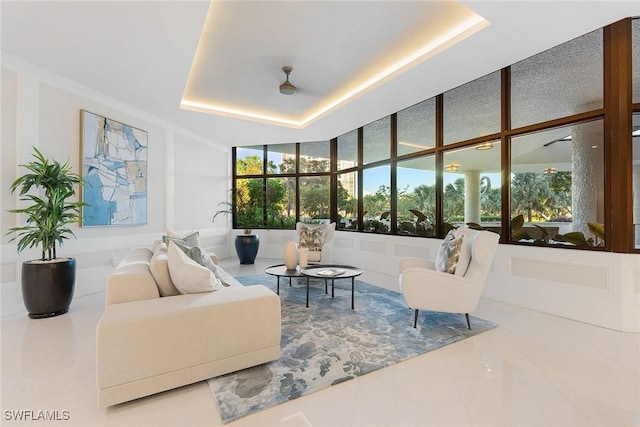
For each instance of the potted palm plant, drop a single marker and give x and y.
(247, 213)
(47, 282)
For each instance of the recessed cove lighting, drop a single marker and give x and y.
(462, 25)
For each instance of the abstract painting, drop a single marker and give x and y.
(114, 166)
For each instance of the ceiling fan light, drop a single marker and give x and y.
(485, 146)
(287, 88)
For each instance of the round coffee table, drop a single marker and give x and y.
(333, 272)
(281, 270)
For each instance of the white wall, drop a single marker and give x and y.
(203, 174)
(598, 288)
(187, 175)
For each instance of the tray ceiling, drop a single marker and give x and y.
(145, 55)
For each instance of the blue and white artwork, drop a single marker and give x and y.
(114, 166)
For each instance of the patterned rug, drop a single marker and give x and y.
(328, 343)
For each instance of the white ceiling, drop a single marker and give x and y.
(329, 61)
(142, 53)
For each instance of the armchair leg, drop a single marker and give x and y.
(468, 323)
(415, 319)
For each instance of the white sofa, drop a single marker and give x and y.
(147, 344)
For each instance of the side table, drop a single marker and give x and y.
(280, 270)
(333, 272)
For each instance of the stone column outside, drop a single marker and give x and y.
(587, 187)
(472, 196)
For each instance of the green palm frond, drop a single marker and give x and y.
(49, 212)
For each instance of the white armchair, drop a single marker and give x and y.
(424, 288)
(322, 256)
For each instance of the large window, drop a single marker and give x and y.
(472, 186)
(281, 158)
(473, 109)
(348, 150)
(249, 200)
(348, 201)
(557, 185)
(541, 171)
(281, 202)
(376, 141)
(315, 193)
(315, 157)
(417, 127)
(249, 160)
(417, 196)
(562, 81)
(376, 200)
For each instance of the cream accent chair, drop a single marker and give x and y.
(323, 256)
(424, 288)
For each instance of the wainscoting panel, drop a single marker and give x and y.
(280, 239)
(341, 242)
(595, 277)
(412, 251)
(373, 246)
(599, 288)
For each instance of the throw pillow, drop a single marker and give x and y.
(312, 237)
(201, 256)
(465, 251)
(187, 275)
(192, 239)
(159, 267)
(449, 253)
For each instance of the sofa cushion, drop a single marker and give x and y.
(159, 267)
(131, 280)
(188, 276)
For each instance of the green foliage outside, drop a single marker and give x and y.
(535, 197)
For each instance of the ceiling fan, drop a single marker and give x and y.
(287, 88)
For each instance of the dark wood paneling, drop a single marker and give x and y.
(618, 140)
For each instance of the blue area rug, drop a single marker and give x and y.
(328, 343)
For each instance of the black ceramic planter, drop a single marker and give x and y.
(47, 287)
(247, 247)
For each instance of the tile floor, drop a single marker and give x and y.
(533, 370)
